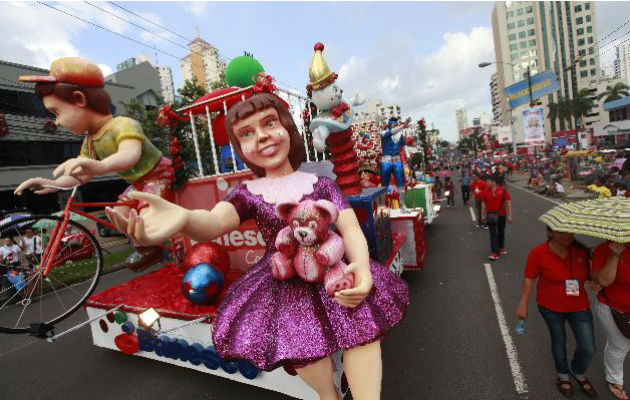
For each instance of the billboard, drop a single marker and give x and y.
(542, 84)
(533, 130)
(505, 134)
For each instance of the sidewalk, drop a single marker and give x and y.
(572, 194)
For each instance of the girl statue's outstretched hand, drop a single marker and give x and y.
(160, 220)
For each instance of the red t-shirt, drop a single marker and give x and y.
(495, 200)
(552, 272)
(479, 184)
(618, 293)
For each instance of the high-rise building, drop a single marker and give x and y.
(166, 82)
(495, 95)
(544, 36)
(461, 117)
(203, 62)
(383, 111)
(623, 62)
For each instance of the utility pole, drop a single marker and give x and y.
(529, 86)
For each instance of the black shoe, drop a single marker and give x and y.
(143, 258)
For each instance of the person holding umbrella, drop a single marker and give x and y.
(560, 268)
(611, 269)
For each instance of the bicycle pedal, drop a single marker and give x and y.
(42, 330)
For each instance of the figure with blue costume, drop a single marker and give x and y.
(392, 139)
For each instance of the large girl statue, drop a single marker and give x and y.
(275, 323)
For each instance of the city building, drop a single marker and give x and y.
(544, 36)
(622, 67)
(383, 111)
(33, 146)
(167, 88)
(461, 118)
(495, 95)
(203, 62)
(476, 121)
(140, 82)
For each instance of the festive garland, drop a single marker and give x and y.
(174, 122)
(4, 127)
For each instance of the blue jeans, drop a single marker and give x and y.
(581, 324)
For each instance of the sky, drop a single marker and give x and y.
(422, 55)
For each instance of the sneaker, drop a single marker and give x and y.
(503, 251)
(493, 256)
(485, 227)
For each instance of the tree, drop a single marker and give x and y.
(582, 105)
(188, 93)
(615, 92)
(147, 117)
(219, 84)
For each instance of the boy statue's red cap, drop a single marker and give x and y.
(72, 70)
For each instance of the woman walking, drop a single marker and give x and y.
(611, 269)
(449, 191)
(561, 267)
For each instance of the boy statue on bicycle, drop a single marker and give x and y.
(75, 92)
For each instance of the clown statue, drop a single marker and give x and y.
(392, 140)
(332, 124)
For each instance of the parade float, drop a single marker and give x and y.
(168, 315)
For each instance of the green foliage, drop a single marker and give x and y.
(221, 83)
(615, 92)
(147, 119)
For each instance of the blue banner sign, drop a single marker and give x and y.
(542, 85)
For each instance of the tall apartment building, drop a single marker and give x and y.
(461, 118)
(383, 111)
(167, 88)
(203, 62)
(544, 36)
(495, 96)
(623, 62)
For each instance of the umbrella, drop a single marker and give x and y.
(4, 223)
(602, 218)
(444, 173)
(49, 223)
(618, 164)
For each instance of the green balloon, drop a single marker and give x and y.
(241, 70)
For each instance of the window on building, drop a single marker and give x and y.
(618, 114)
(523, 54)
(591, 50)
(531, 32)
(578, 8)
(579, 20)
(533, 53)
(591, 61)
(513, 46)
(519, 11)
(514, 56)
(521, 23)
(588, 18)
(583, 63)
(521, 34)
(523, 45)
(590, 40)
(587, 6)
(580, 31)
(581, 42)
(533, 63)
(510, 14)
(582, 52)
(583, 74)
(529, 9)
(593, 72)
(511, 25)
(512, 36)
(589, 29)
(530, 21)
(532, 42)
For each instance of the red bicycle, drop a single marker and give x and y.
(69, 269)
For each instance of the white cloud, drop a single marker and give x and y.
(197, 8)
(106, 69)
(430, 85)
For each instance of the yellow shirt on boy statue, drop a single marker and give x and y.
(106, 141)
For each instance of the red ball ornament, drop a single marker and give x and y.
(409, 140)
(127, 343)
(207, 253)
(319, 46)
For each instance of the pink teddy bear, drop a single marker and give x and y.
(308, 248)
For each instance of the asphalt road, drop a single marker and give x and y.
(450, 346)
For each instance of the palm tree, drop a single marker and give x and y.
(615, 92)
(554, 110)
(582, 105)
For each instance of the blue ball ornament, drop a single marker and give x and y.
(202, 284)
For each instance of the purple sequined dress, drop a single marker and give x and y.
(272, 323)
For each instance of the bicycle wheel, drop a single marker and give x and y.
(29, 300)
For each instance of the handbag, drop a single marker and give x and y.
(493, 217)
(622, 319)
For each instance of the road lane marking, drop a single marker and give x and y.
(535, 194)
(472, 214)
(510, 348)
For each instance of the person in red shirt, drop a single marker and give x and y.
(496, 200)
(561, 267)
(611, 269)
(477, 187)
